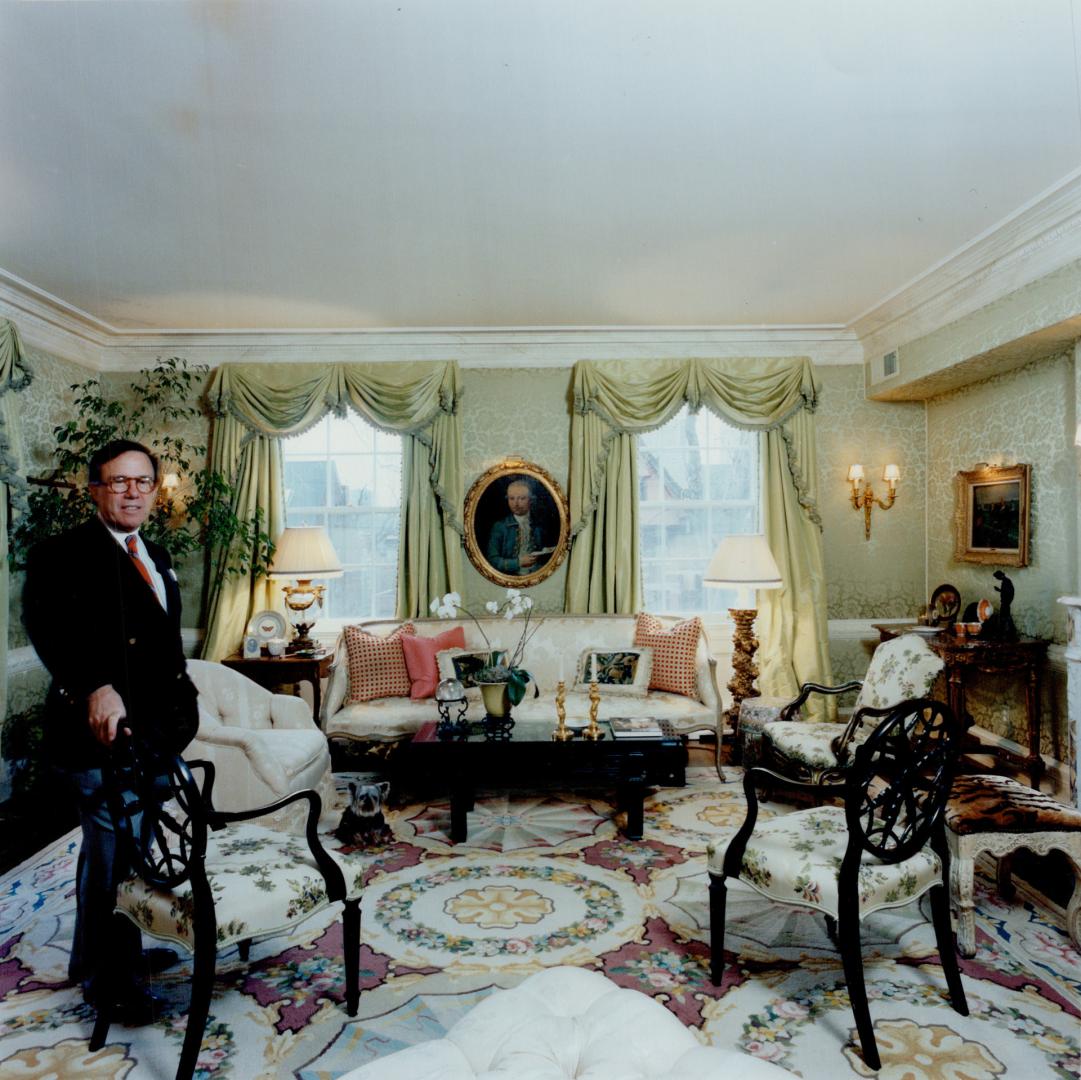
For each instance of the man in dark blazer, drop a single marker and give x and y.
(102, 608)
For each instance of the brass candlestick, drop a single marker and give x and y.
(562, 733)
(593, 732)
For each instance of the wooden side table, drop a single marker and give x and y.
(275, 671)
(1026, 656)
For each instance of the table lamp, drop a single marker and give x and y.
(743, 562)
(303, 553)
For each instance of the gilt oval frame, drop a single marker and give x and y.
(485, 504)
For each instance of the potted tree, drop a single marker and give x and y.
(159, 404)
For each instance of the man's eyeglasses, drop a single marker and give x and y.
(119, 484)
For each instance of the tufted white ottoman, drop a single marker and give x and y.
(567, 1022)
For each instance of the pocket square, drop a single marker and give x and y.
(172, 573)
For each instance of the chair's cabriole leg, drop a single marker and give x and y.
(718, 893)
(102, 1021)
(940, 915)
(202, 985)
(962, 885)
(848, 925)
(351, 953)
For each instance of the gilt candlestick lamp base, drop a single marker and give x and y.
(593, 732)
(562, 733)
(744, 669)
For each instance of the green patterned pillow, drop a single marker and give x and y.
(623, 672)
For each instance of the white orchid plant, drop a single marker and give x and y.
(502, 666)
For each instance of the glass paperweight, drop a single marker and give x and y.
(449, 690)
(451, 703)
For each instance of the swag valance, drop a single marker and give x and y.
(255, 406)
(616, 400)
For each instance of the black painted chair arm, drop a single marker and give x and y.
(315, 805)
(807, 689)
(207, 786)
(333, 877)
(840, 744)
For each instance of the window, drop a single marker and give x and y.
(698, 481)
(345, 475)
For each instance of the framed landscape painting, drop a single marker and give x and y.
(992, 515)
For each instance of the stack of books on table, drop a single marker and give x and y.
(635, 727)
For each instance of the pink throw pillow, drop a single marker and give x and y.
(376, 664)
(421, 662)
(674, 650)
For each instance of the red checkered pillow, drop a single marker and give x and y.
(674, 650)
(376, 664)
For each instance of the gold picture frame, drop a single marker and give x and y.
(991, 519)
(493, 539)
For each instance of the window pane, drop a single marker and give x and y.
(345, 476)
(305, 483)
(697, 482)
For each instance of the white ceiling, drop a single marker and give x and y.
(518, 163)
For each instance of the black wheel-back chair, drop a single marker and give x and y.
(888, 842)
(163, 818)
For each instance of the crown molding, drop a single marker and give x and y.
(489, 348)
(49, 323)
(1038, 238)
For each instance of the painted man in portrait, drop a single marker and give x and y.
(516, 544)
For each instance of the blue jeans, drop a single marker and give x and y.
(99, 936)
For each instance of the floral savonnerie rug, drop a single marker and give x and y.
(546, 879)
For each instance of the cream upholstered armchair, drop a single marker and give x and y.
(262, 745)
(818, 751)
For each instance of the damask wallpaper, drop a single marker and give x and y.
(882, 577)
(525, 413)
(44, 404)
(1019, 417)
(1024, 416)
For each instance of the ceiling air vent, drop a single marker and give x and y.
(885, 366)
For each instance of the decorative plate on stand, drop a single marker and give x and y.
(268, 625)
(944, 606)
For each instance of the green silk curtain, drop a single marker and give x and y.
(617, 400)
(256, 405)
(14, 376)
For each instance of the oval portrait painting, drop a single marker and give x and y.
(517, 526)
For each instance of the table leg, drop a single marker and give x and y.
(1032, 710)
(632, 793)
(461, 802)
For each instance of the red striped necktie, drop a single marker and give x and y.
(133, 551)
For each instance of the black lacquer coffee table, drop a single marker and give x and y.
(527, 754)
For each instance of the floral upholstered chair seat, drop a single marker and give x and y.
(794, 859)
(900, 670)
(264, 882)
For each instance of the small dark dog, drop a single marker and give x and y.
(363, 824)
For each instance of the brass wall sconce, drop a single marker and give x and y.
(167, 491)
(863, 498)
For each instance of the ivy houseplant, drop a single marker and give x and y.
(503, 680)
(155, 409)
